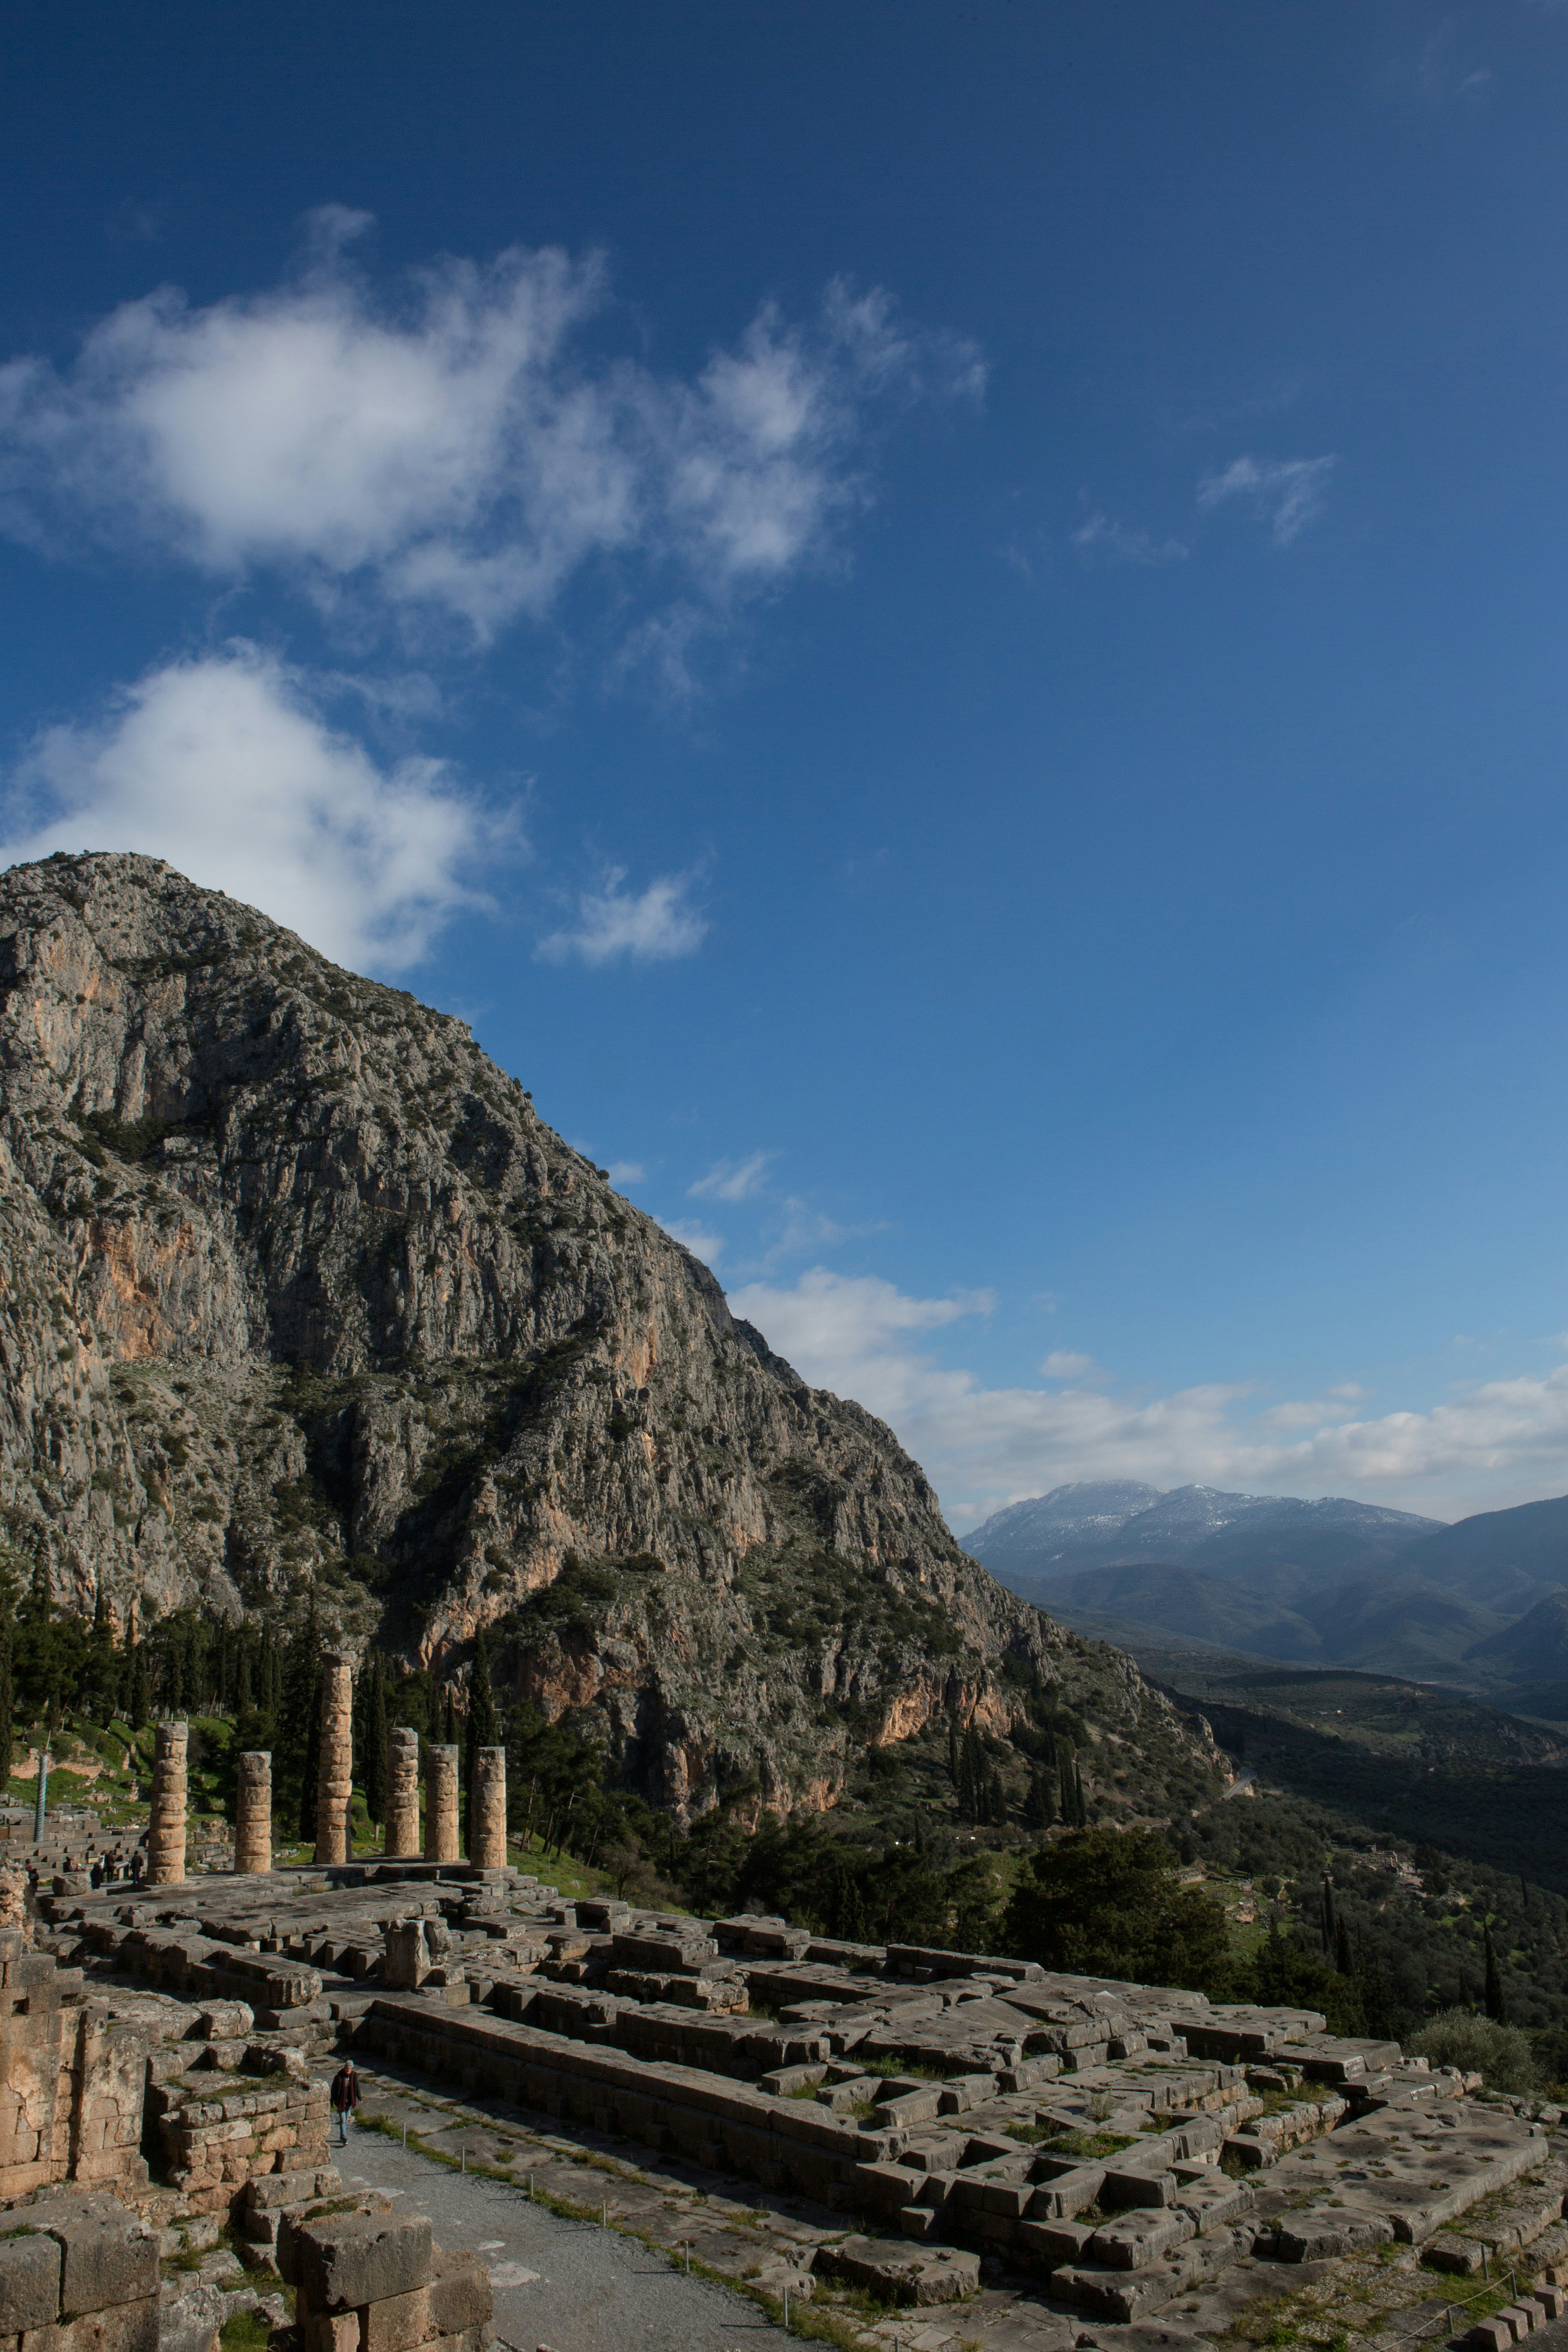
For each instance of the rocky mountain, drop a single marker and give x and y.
(1075, 1528)
(299, 1295)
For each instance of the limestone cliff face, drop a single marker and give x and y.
(296, 1290)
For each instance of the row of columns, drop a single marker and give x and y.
(253, 1820)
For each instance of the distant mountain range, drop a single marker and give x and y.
(1482, 1605)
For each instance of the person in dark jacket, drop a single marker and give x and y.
(345, 2099)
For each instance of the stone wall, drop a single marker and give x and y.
(70, 2082)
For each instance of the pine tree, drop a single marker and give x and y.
(7, 1706)
(375, 1742)
(1495, 2006)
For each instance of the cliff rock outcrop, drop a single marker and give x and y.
(298, 1291)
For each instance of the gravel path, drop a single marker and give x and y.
(568, 2285)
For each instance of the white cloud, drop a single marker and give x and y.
(456, 446)
(732, 1180)
(651, 926)
(1122, 542)
(1284, 492)
(982, 1447)
(852, 1333)
(225, 766)
(625, 1171)
(1065, 1364)
(709, 1247)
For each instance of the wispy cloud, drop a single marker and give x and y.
(651, 926)
(1067, 1364)
(452, 444)
(1122, 542)
(1284, 492)
(626, 1171)
(226, 766)
(863, 1337)
(732, 1180)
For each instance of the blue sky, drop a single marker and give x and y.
(946, 622)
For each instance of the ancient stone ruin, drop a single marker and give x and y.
(930, 2116)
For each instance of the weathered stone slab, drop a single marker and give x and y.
(907, 2274)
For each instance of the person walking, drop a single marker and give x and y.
(345, 2099)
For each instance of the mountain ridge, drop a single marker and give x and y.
(299, 1295)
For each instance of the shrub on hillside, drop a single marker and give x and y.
(1457, 2037)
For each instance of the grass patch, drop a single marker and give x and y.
(247, 2331)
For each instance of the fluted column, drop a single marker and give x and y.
(403, 1792)
(252, 1812)
(487, 1814)
(440, 1805)
(334, 1780)
(166, 1825)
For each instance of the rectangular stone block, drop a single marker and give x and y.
(356, 2259)
(119, 2327)
(1490, 2335)
(333, 2331)
(29, 2283)
(1050, 2242)
(108, 2258)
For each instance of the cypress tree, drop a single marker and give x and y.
(312, 1771)
(140, 1688)
(244, 1690)
(1342, 1960)
(483, 1728)
(375, 1742)
(1495, 2006)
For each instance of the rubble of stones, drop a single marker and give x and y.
(1127, 2153)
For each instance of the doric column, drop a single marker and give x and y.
(252, 1812)
(166, 1826)
(403, 1792)
(487, 1817)
(334, 1775)
(440, 1805)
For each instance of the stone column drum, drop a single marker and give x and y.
(166, 1826)
(253, 1813)
(403, 1791)
(334, 1771)
(487, 1812)
(440, 1805)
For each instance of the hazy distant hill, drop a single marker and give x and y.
(1365, 1623)
(1535, 1647)
(1497, 1557)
